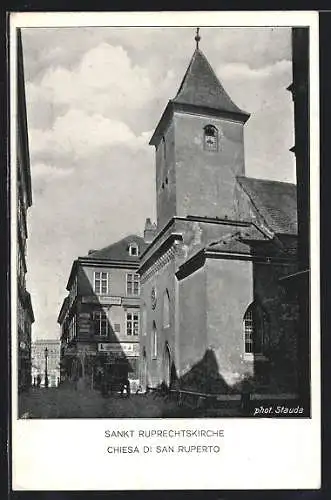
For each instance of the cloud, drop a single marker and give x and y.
(254, 89)
(269, 131)
(65, 47)
(105, 80)
(244, 71)
(49, 171)
(78, 135)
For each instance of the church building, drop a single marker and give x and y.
(214, 312)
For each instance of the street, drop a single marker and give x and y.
(66, 402)
(70, 403)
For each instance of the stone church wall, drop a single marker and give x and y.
(192, 326)
(229, 293)
(205, 180)
(162, 279)
(165, 178)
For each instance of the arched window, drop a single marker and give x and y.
(254, 325)
(248, 330)
(166, 309)
(154, 341)
(210, 138)
(167, 365)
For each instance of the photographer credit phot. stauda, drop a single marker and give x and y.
(196, 305)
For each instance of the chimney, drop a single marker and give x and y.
(149, 231)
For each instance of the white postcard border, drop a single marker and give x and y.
(255, 453)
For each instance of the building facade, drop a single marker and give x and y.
(214, 315)
(45, 362)
(100, 317)
(297, 285)
(25, 316)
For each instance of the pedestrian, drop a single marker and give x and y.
(38, 380)
(245, 396)
(75, 379)
(104, 384)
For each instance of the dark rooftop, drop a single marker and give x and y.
(275, 201)
(119, 251)
(201, 87)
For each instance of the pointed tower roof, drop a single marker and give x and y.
(200, 92)
(201, 87)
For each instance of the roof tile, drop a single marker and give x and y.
(275, 201)
(119, 250)
(201, 87)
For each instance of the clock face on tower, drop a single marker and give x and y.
(153, 297)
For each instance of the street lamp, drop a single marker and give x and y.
(46, 374)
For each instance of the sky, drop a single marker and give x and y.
(94, 97)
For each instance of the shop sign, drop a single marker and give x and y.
(125, 348)
(70, 351)
(84, 315)
(102, 299)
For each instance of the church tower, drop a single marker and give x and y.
(199, 147)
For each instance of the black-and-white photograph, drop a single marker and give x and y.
(162, 222)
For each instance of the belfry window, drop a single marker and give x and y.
(210, 138)
(254, 326)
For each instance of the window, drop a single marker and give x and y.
(20, 314)
(133, 250)
(72, 328)
(132, 284)
(166, 309)
(144, 321)
(154, 341)
(255, 323)
(100, 323)
(20, 270)
(132, 323)
(248, 330)
(164, 148)
(210, 138)
(101, 283)
(73, 291)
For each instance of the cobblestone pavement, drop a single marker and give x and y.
(70, 403)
